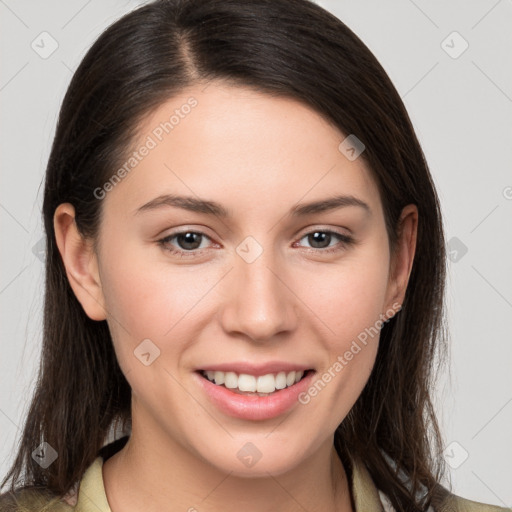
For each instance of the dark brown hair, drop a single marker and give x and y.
(289, 48)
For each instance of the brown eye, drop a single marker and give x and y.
(322, 240)
(189, 241)
(319, 239)
(184, 242)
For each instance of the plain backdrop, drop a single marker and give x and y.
(450, 62)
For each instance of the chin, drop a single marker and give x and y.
(257, 458)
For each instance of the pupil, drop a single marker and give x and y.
(186, 240)
(319, 238)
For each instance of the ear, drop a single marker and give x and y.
(403, 256)
(80, 262)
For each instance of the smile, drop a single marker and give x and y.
(262, 385)
(254, 397)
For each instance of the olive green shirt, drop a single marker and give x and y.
(91, 497)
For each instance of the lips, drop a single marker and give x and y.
(254, 392)
(255, 378)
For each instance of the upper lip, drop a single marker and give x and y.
(257, 370)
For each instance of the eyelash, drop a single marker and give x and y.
(345, 241)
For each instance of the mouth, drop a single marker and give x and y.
(252, 385)
(262, 385)
(254, 391)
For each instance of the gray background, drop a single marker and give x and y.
(461, 106)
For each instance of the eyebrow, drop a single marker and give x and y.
(197, 205)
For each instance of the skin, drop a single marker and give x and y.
(258, 156)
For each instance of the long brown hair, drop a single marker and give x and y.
(295, 49)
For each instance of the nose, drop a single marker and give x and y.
(260, 303)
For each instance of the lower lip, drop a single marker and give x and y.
(254, 407)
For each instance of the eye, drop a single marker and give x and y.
(186, 242)
(322, 240)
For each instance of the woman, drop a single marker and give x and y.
(245, 274)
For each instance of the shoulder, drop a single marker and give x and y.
(32, 500)
(453, 503)
(445, 501)
(367, 497)
(87, 494)
(449, 503)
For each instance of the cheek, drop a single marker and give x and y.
(349, 299)
(148, 298)
(349, 296)
(159, 302)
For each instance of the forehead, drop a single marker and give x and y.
(248, 150)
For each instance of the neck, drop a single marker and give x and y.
(154, 474)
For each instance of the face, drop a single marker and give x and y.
(213, 264)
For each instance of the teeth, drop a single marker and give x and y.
(262, 385)
(281, 380)
(266, 384)
(247, 383)
(231, 380)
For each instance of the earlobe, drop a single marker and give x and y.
(403, 256)
(80, 262)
